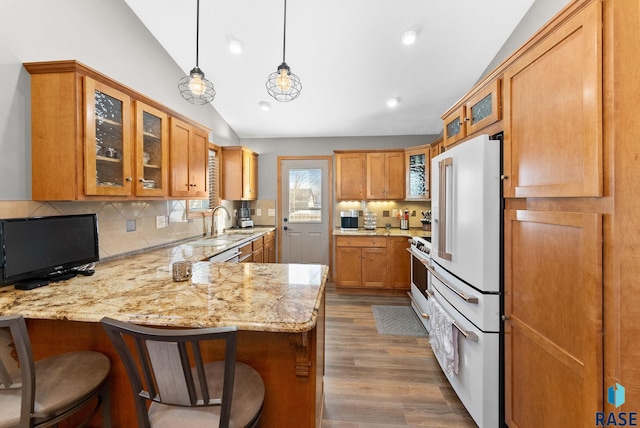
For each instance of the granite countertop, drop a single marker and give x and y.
(383, 231)
(140, 289)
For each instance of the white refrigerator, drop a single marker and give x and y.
(465, 278)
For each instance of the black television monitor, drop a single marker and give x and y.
(37, 250)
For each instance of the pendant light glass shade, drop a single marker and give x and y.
(283, 85)
(194, 87)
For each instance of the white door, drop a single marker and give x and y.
(304, 208)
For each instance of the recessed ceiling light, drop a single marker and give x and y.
(392, 102)
(409, 37)
(235, 46)
(264, 105)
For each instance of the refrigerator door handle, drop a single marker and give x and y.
(442, 223)
(463, 296)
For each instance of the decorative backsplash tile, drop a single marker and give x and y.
(112, 221)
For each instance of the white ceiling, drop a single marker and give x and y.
(347, 53)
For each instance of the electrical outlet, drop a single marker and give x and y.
(161, 221)
(131, 225)
(259, 212)
(235, 213)
(394, 213)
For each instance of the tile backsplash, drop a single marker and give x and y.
(115, 218)
(384, 211)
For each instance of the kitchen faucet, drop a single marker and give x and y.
(214, 229)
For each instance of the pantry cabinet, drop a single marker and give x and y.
(189, 160)
(239, 174)
(95, 139)
(385, 175)
(350, 176)
(554, 148)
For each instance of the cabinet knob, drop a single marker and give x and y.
(504, 177)
(505, 318)
(129, 179)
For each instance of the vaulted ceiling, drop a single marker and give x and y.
(347, 53)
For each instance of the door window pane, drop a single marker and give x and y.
(305, 191)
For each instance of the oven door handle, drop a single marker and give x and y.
(468, 299)
(422, 314)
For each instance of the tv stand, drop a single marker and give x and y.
(30, 284)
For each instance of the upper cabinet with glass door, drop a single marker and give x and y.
(95, 139)
(417, 171)
(476, 113)
(108, 155)
(152, 151)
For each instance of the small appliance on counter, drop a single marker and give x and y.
(349, 220)
(244, 218)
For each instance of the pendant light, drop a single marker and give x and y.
(283, 85)
(194, 87)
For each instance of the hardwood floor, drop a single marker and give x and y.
(379, 381)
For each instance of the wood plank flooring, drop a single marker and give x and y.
(380, 381)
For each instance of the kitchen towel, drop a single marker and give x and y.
(444, 339)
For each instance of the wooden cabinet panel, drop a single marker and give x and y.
(270, 247)
(350, 176)
(374, 267)
(553, 304)
(361, 241)
(399, 263)
(239, 174)
(553, 113)
(258, 255)
(189, 160)
(349, 266)
(385, 175)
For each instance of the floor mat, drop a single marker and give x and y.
(398, 321)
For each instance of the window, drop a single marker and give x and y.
(305, 191)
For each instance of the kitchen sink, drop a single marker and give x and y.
(217, 241)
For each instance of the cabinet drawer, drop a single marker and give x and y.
(245, 249)
(361, 241)
(257, 243)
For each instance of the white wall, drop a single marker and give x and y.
(103, 34)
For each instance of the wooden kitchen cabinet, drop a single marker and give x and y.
(257, 247)
(553, 304)
(151, 151)
(483, 108)
(90, 135)
(270, 247)
(189, 160)
(385, 175)
(350, 176)
(551, 148)
(399, 263)
(361, 262)
(418, 169)
(239, 174)
(455, 126)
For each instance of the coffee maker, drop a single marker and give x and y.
(244, 217)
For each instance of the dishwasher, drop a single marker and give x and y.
(227, 256)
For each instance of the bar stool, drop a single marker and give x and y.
(165, 367)
(44, 392)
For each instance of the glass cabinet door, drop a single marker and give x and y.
(417, 164)
(152, 156)
(107, 140)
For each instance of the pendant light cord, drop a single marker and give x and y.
(284, 38)
(197, 29)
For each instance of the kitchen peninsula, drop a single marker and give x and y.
(278, 309)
